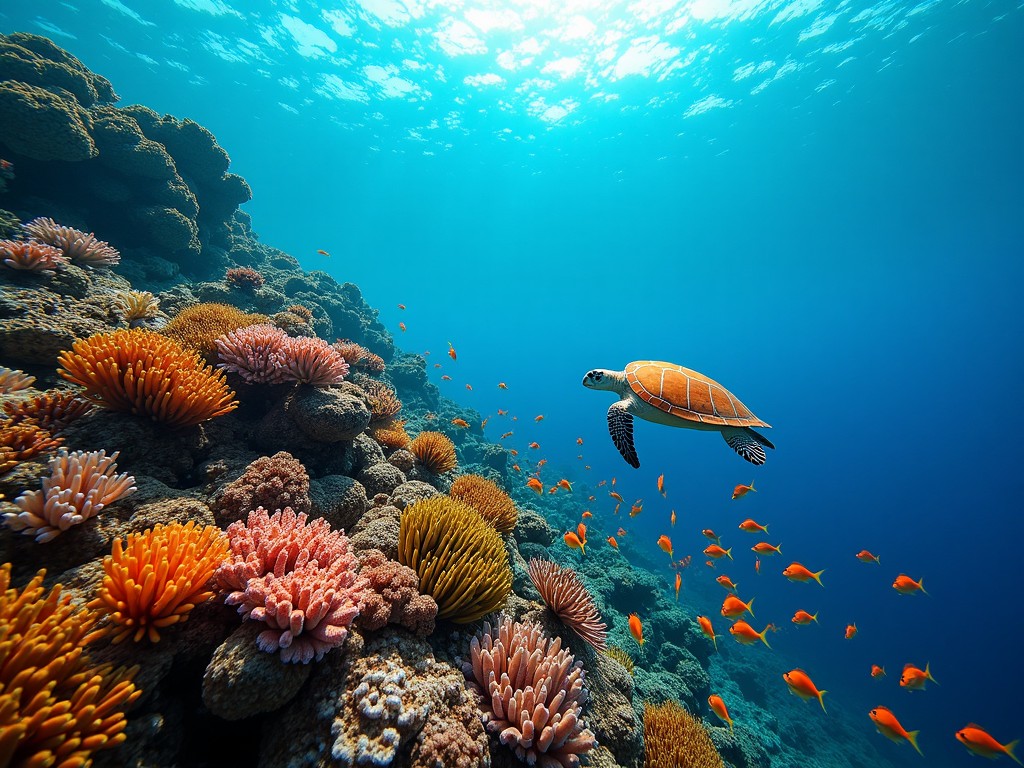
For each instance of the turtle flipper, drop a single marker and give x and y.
(745, 444)
(620, 427)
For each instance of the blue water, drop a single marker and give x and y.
(840, 242)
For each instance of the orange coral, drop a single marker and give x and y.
(22, 442)
(392, 435)
(56, 708)
(197, 327)
(435, 451)
(359, 357)
(494, 505)
(673, 738)
(146, 374)
(53, 410)
(384, 403)
(159, 577)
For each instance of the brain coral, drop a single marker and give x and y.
(673, 738)
(460, 559)
(494, 505)
(435, 451)
(564, 593)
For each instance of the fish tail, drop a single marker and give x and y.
(817, 577)
(752, 486)
(928, 674)
(714, 641)
(1009, 748)
(730, 726)
(912, 738)
(750, 608)
(762, 636)
(920, 585)
(821, 700)
(729, 553)
(815, 617)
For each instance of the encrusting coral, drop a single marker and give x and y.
(392, 596)
(80, 485)
(56, 707)
(30, 256)
(155, 580)
(82, 248)
(272, 482)
(494, 505)
(531, 692)
(197, 327)
(567, 597)
(673, 738)
(146, 374)
(460, 559)
(435, 451)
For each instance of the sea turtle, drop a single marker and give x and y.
(669, 394)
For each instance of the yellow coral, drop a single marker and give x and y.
(435, 451)
(673, 738)
(460, 559)
(146, 374)
(197, 327)
(56, 708)
(159, 578)
(494, 505)
(620, 656)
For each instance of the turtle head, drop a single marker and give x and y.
(601, 378)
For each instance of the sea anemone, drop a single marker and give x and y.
(158, 578)
(359, 357)
(12, 380)
(614, 652)
(53, 410)
(136, 306)
(673, 738)
(255, 353)
(245, 278)
(392, 435)
(564, 593)
(435, 451)
(313, 361)
(146, 374)
(460, 559)
(531, 692)
(22, 442)
(31, 256)
(81, 247)
(494, 505)
(384, 403)
(56, 707)
(197, 327)
(80, 485)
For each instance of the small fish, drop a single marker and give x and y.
(797, 572)
(672, 519)
(718, 707)
(513, 451)
(613, 542)
(469, 387)
(507, 434)
(541, 463)
(591, 498)
(621, 532)
(709, 632)
(515, 468)
(484, 422)
(539, 417)
(613, 482)
(586, 466)
(636, 509)
(709, 563)
(711, 535)
(764, 548)
(437, 365)
(750, 526)
(726, 582)
(616, 496)
(801, 685)
(742, 490)
(502, 413)
(661, 486)
(733, 607)
(536, 485)
(666, 544)
(460, 423)
(322, 252)
(401, 306)
(914, 678)
(515, 418)
(679, 583)
(887, 724)
(573, 541)
(587, 515)
(866, 557)
(636, 628)
(579, 441)
(757, 566)
(502, 385)
(451, 352)
(877, 671)
(978, 741)
(746, 634)
(401, 327)
(553, 489)
(851, 631)
(446, 377)
(535, 445)
(565, 485)
(714, 552)
(602, 484)
(580, 457)
(803, 618)
(581, 532)
(617, 508)
(907, 586)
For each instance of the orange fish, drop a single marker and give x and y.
(742, 490)
(978, 741)
(469, 387)
(709, 563)
(513, 451)
(764, 548)
(437, 365)
(484, 422)
(535, 445)
(502, 385)
(621, 532)
(401, 327)
(565, 484)
(401, 306)
(586, 466)
(322, 252)
(617, 508)
(541, 463)
(616, 496)
(750, 526)
(679, 583)
(877, 671)
(553, 489)
(746, 634)
(866, 557)
(907, 586)
(573, 542)
(914, 678)
(803, 618)
(602, 483)
(887, 724)
(460, 422)
(579, 441)
(446, 377)
(851, 631)
(666, 544)
(451, 352)
(672, 519)
(718, 707)
(757, 566)
(636, 628)
(539, 418)
(536, 485)
(714, 552)
(796, 572)
(502, 413)
(800, 684)
(613, 482)
(581, 532)
(711, 535)
(661, 486)
(637, 508)
(709, 632)
(516, 468)
(733, 607)
(591, 498)
(613, 542)
(726, 582)
(587, 515)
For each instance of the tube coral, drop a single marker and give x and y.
(255, 353)
(435, 451)
(674, 738)
(146, 374)
(564, 593)
(313, 361)
(28, 255)
(494, 505)
(460, 559)
(81, 247)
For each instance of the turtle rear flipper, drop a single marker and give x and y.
(745, 442)
(620, 427)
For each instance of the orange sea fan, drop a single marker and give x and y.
(674, 738)
(435, 451)
(146, 374)
(197, 327)
(159, 577)
(567, 597)
(392, 435)
(20, 442)
(494, 505)
(56, 708)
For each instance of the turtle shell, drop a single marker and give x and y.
(687, 394)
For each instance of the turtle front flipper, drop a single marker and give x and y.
(745, 442)
(620, 427)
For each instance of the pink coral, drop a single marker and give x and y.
(393, 597)
(532, 693)
(273, 482)
(31, 256)
(81, 247)
(244, 277)
(255, 352)
(564, 593)
(314, 361)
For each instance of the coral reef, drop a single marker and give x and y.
(494, 505)
(53, 410)
(199, 326)
(21, 442)
(393, 436)
(392, 596)
(82, 248)
(564, 593)
(246, 278)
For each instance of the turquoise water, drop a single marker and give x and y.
(818, 204)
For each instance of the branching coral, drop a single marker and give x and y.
(245, 278)
(460, 559)
(22, 442)
(673, 738)
(56, 708)
(392, 596)
(494, 505)
(158, 578)
(136, 306)
(53, 410)
(31, 256)
(532, 693)
(81, 247)
(146, 374)
(12, 380)
(392, 435)
(80, 485)
(614, 652)
(359, 357)
(198, 326)
(564, 593)
(435, 451)
(384, 403)
(273, 482)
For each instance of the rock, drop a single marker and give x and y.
(378, 529)
(338, 499)
(381, 478)
(327, 415)
(532, 527)
(411, 492)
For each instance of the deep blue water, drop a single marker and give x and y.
(842, 247)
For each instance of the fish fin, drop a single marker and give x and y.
(763, 638)
(928, 674)
(1009, 749)
(620, 427)
(749, 608)
(912, 738)
(920, 585)
(817, 576)
(752, 486)
(761, 439)
(741, 441)
(821, 700)
(815, 617)
(729, 552)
